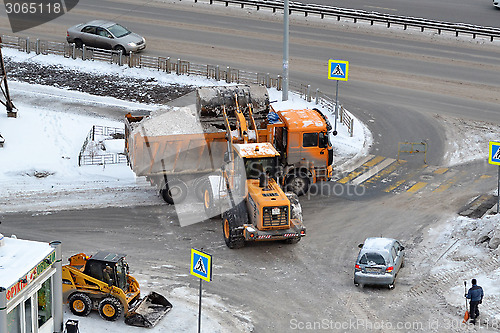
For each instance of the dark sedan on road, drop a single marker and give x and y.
(379, 261)
(105, 35)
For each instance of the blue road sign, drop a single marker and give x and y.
(201, 265)
(494, 155)
(338, 70)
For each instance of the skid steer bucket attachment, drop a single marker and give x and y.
(149, 311)
(211, 100)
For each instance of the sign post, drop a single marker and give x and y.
(494, 158)
(337, 70)
(201, 267)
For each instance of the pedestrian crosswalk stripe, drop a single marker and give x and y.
(374, 161)
(440, 171)
(354, 167)
(417, 187)
(373, 171)
(482, 177)
(384, 172)
(447, 184)
(350, 176)
(395, 185)
(402, 181)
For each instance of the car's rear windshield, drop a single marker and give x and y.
(118, 30)
(372, 258)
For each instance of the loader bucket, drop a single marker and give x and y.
(149, 311)
(210, 100)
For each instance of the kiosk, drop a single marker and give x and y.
(30, 286)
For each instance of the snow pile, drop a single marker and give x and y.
(100, 67)
(467, 255)
(468, 140)
(170, 121)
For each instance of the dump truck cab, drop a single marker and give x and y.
(259, 209)
(306, 154)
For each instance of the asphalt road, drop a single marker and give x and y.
(481, 13)
(394, 79)
(397, 84)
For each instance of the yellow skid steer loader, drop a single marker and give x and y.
(102, 282)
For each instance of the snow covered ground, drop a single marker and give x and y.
(39, 172)
(465, 257)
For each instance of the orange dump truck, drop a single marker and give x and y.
(255, 151)
(177, 163)
(176, 149)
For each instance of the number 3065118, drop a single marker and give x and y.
(32, 8)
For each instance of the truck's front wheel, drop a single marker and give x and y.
(298, 183)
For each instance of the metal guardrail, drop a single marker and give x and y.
(179, 67)
(372, 17)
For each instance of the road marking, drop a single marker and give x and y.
(417, 187)
(481, 178)
(400, 182)
(373, 171)
(440, 171)
(350, 176)
(391, 9)
(374, 161)
(385, 172)
(354, 167)
(448, 183)
(395, 185)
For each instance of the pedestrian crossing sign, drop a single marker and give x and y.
(338, 70)
(201, 265)
(494, 155)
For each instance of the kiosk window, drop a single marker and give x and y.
(14, 320)
(310, 140)
(28, 321)
(45, 302)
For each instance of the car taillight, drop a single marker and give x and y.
(389, 269)
(357, 267)
(67, 33)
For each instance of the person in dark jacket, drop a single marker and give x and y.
(475, 294)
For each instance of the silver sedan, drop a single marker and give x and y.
(105, 35)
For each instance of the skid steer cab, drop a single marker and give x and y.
(102, 282)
